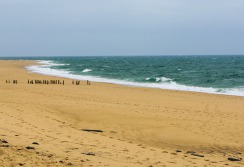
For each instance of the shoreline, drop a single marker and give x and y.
(139, 124)
(118, 82)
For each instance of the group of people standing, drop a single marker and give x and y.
(47, 82)
(78, 82)
(14, 81)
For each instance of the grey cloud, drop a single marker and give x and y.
(121, 27)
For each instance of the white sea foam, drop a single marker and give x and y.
(47, 63)
(87, 70)
(160, 79)
(163, 79)
(165, 83)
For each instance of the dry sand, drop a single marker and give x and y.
(141, 126)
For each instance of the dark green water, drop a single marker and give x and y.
(212, 74)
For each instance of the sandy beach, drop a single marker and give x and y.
(43, 125)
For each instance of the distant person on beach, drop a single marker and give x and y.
(88, 82)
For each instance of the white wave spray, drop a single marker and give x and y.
(87, 70)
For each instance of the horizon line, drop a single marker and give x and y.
(124, 55)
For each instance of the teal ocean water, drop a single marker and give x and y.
(210, 74)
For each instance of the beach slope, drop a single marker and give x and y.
(113, 125)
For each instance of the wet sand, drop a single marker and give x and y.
(139, 126)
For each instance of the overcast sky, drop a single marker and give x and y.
(121, 27)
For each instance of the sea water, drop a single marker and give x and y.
(210, 74)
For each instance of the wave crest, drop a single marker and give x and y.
(87, 70)
(159, 79)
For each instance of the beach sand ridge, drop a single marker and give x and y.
(43, 125)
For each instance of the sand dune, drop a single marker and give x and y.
(140, 126)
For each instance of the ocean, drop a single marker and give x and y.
(210, 74)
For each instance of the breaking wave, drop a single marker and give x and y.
(44, 68)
